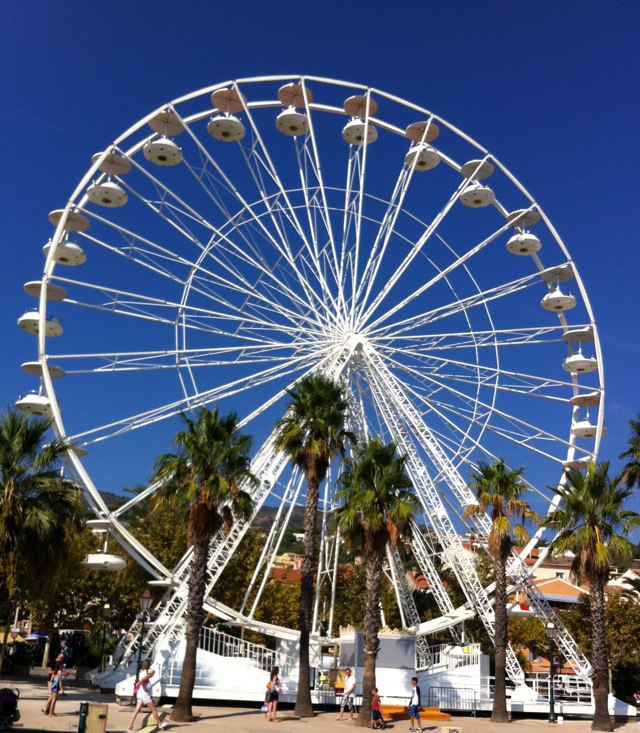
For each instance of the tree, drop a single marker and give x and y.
(37, 506)
(631, 471)
(377, 511)
(311, 434)
(499, 491)
(593, 523)
(203, 478)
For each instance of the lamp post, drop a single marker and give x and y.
(551, 630)
(106, 615)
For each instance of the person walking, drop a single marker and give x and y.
(142, 691)
(349, 694)
(274, 694)
(414, 706)
(377, 721)
(57, 675)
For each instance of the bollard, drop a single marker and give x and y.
(82, 722)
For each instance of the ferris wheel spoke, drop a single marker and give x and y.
(520, 431)
(415, 250)
(362, 157)
(386, 229)
(263, 161)
(458, 306)
(180, 211)
(487, 376)
(494, 338)
(163, 412)
(443, 273)
(239, 281)
(313, 156)
(237, 355)
(316, 205)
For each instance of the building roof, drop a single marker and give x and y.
(417, 580)
(290, 574)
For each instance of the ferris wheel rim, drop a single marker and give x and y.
(79, 201)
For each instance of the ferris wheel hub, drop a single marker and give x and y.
(353, 341)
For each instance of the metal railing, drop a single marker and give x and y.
(453, 698)
(446, 656)
(225, 645)
(566, 687)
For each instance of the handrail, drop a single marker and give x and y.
(450, 657)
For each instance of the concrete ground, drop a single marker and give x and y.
(223, 719)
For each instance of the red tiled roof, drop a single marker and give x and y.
(289, 574)
(418, 579)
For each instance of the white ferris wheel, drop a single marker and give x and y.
(247, 234)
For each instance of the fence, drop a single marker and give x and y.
(452, 698)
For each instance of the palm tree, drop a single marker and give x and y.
(499, 491)
(631, 471)
(593, 524)
(37, 505)
(378, 509)
(311, 434)
(211, 459)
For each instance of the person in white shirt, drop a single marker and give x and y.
(349, 694)
(414, 706)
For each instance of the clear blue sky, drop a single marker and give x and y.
(551, 88)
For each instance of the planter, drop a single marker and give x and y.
(82, 671)
(20, 670)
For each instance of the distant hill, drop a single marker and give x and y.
(113, 501)
(267, 515)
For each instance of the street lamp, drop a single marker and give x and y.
(106, 615)
(145, 604)
(552, 631)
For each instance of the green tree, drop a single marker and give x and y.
(631, 471)
(499, 491)
(38, 506)
(593, 523)
(311, 434)
(378, 509)
(203, 478)
(528, 633)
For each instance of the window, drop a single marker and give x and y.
(560, 575)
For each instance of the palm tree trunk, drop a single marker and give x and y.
(195, 618)
(499, 713)
(374, 548)
(599, 658)
(304, 706)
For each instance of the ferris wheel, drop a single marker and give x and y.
(245, 235)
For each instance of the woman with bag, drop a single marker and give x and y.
(274, 694)
(142, 691)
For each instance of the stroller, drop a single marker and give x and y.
(9, 713)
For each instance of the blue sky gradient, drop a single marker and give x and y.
(550, 88)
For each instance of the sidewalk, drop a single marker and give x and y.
(219, 719)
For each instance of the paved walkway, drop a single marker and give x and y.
(241, 719)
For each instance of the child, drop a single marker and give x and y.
(414, 706)
(57, 675)
(376, 713)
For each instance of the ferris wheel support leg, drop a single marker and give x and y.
(393, 405)
(334, 582)
(278, 542)
(269, 548)
(323, 558)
